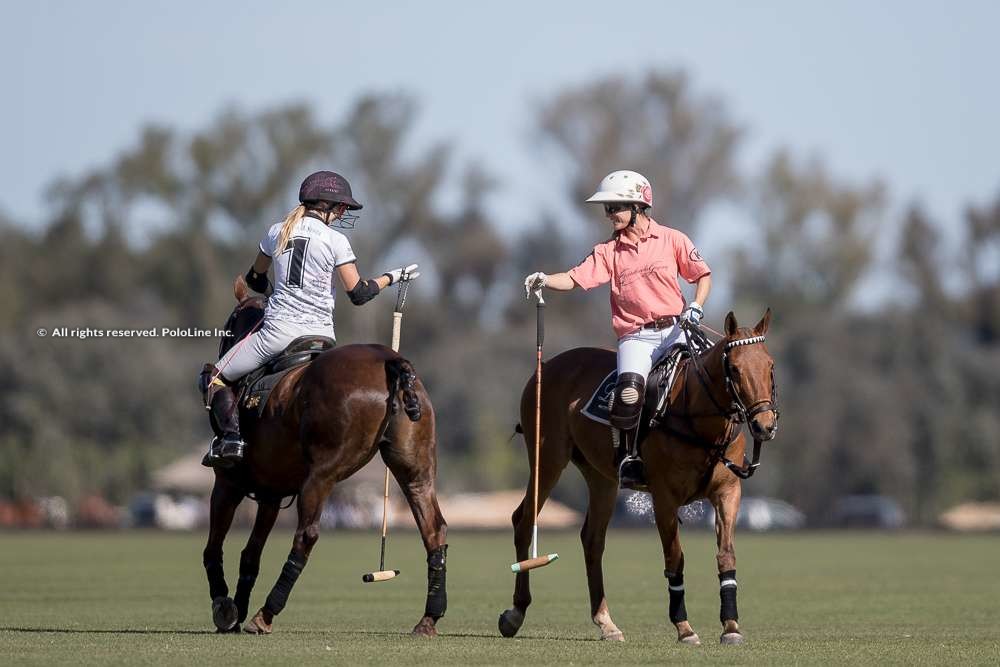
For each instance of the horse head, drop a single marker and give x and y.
(749, 371)
(247, 314)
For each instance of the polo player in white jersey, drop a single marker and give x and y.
(306, 253)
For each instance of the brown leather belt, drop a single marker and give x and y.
(661, 323)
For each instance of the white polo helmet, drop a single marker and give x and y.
(623, 187)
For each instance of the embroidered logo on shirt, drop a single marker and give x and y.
(695, 255)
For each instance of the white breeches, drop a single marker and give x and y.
(263, 345)
(637, 352)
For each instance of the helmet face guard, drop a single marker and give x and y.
(346, 220)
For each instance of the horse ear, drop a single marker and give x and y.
(730, 324)
(240, 289)
(764, 323)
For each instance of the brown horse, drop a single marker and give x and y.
(713, 393)
(322, 423)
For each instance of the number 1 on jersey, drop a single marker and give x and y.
(297, 246)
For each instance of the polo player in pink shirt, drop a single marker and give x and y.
(641, 260)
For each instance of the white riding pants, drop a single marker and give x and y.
(263, 345)
(637, 352)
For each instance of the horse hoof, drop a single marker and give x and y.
(615, 636)
(731, 639)
(224, 614)
(691, 639)
(257, 625)
(510, 622)
(425, 628)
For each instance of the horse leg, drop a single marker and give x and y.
(267, 513)
(665, 509)
(554, 460)
(601, 506)
(727, 505)
(225, 499)
(416, 479)
(310, 505)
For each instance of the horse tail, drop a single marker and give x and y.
(401, 378)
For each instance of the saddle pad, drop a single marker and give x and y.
(258, 390)
(597, 407)
(659, 382)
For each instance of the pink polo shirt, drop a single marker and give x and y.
(643, 277)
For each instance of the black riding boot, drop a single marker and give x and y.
(624, 414)
(631, 471)
(227, 448)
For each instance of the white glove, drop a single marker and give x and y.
(693, 313)
(534, 283)
(408, 273)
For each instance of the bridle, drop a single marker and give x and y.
(738, 407)
(738, 412)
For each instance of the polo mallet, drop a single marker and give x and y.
(397, 319)
(536, 560)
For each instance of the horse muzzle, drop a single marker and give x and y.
(764, 425)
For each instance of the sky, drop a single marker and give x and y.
(903, 91)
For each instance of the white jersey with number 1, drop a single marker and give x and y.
(303, 272)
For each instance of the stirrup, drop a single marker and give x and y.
(213, 458)
(231, 449)
(632, 474)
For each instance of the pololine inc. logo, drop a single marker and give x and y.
(82, 333)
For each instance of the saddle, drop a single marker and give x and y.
(658, 384)
(256, 387)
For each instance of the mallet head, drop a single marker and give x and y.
(532, 563)
(384, 575)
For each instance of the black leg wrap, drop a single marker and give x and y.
(727, 596)
(278, 596)
(678, 612)
(249, 568)
(217, 587)
(244, 586)
(437, 595)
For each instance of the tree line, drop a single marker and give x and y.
(893, 395)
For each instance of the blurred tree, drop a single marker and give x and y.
(982, 254)
(814, 240)
(656, 125)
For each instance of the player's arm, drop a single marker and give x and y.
(256, 277)
(360, 291)
(560, 281)
(702, 288)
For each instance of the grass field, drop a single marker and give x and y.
(804, 598)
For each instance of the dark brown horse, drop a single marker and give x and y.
(322, 423)
(684, 455)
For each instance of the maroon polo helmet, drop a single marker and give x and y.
(328, 186)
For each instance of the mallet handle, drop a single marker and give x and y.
(539, 311)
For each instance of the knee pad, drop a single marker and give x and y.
(627, 401)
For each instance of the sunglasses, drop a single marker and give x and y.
(611, 209)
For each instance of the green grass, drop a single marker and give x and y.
(815, 598)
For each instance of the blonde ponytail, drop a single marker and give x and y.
(288, 226)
